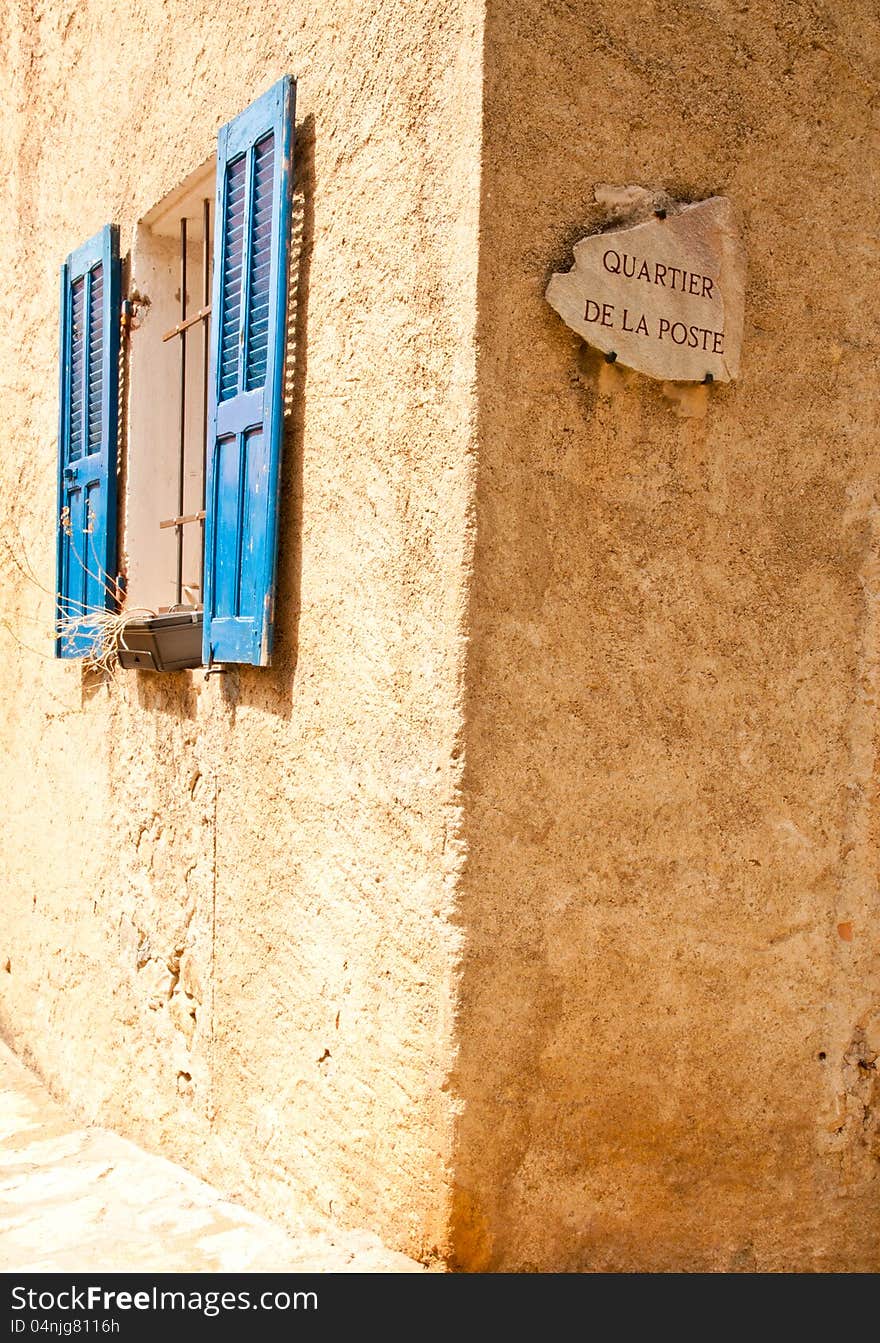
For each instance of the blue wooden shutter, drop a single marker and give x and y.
(245, 418)
(87, 430)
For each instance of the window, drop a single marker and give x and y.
(168, 397)
(205, 413)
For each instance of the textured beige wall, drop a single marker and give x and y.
(669, 806)
(671, 747)
(224, 902)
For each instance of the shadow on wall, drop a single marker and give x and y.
(655, 1057)
(169, 692)
(271, 688)
(653, 1024)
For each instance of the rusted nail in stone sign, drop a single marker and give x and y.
(665, 296)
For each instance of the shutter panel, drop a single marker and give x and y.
(87, 430)
(246, 400)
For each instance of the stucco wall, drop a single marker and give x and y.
(670, 998)
(657, 1050)
(224, 902)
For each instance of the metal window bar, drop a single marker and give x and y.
(179, 332)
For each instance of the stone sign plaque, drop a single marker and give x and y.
(664, 296)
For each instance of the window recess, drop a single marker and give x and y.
(168, 400)
(180, 333)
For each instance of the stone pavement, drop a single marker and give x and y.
(83, 1199)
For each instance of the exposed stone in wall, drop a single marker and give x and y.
(860, 1108)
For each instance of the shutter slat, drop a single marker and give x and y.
(95, 375)
(260, 262)
(77, 355)
(232, 266)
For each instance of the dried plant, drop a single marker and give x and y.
(101, 627)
